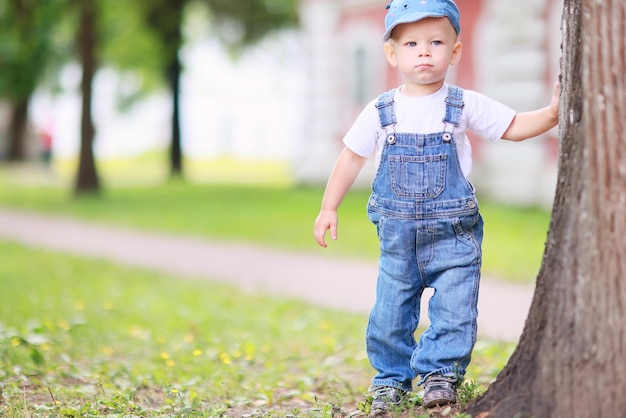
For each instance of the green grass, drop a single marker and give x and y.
(514, 241)
(277, 216)
(84, 338)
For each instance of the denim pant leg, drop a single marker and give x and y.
(395, 315)
(446, 345)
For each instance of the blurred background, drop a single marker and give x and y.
(103, 92)
(221, 120)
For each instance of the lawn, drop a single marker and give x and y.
(85, 338)
(279, 216)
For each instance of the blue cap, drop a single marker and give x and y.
(408, 11)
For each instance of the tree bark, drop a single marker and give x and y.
(87, 181)
(571, 357)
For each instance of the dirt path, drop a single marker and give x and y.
(323, 280)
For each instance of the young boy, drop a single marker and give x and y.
(424, 208)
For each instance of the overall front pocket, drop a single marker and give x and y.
(418, 177)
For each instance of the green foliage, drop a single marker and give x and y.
(468, 391)
(240, 23)
(236, 24)
(27, 35)
(129, 47)
(38, 38)
(138, 38)
(164, 18)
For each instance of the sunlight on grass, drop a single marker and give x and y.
(231, 171)
(514, 241)
(276, 216)
(87, 338)
(75, 326)
(152, 169)
(146, 170)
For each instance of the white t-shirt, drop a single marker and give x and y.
(424, 115)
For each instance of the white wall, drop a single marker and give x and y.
(510, 47)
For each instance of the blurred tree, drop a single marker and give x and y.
(26, 49)
(110, 33)
(237, 24)
(571, 358)
(115, 35)
(87, 180)
(131, 49)
(166, 18)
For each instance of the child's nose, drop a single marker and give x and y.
(424, 51)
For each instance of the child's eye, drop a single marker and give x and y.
(437, 42)
(412, 44)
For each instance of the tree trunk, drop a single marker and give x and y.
(166, 17)
(176, 154)
(87, 178)
(571, 358)
(174, 40)
(17, 131)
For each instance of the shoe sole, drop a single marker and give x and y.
(439, 402)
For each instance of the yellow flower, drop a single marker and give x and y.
(138, 333)
(329, 341)
(197, 352)
(250, 351)
(225, 358)
(165, 356)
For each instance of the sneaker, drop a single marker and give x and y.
(383, 398)
(439, 391)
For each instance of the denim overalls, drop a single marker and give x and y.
(430, 233)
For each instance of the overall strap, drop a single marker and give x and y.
(386, 109)
(454, 105)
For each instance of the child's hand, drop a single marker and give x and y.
(326, 220)
(554, 104)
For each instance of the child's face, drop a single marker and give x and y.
(423, 51)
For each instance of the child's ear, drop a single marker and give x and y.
(390, 53)
(456, 53)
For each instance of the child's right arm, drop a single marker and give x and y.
(346, 169)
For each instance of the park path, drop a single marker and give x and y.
(317, 278)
